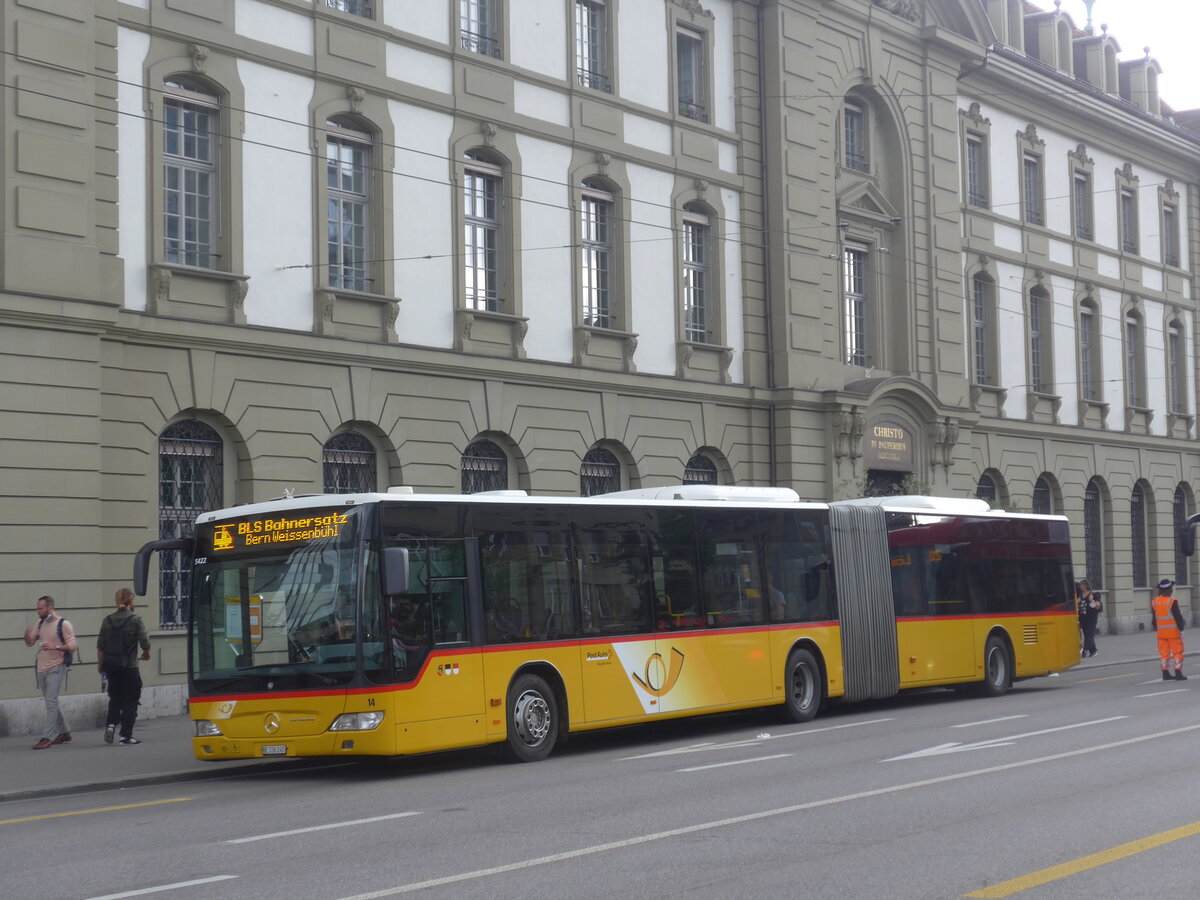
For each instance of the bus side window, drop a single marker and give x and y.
(449, 611)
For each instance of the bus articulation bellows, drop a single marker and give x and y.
(399, 623)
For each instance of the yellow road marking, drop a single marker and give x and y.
(1108, 678)
(88, 812)
(1034, 879)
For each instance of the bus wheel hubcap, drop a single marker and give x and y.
(531, 716)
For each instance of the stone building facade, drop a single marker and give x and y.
(262, 246)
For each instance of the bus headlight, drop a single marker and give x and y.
(365, 721)
(205, 728)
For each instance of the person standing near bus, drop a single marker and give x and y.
(121, 633)
(1168, 624)
(1089, 617)
(57, 639)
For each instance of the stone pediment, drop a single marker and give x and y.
(866, 202)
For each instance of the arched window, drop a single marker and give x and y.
(986, 488)
(1181, 508)
(348, 464)
(700, 470)
(1137, 529)
(1093, 535)
(484, 468)
(599, 474)
(190, 481)
(1043, 498)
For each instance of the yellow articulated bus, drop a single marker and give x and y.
(399, 623)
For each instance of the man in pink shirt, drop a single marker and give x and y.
(54, 643)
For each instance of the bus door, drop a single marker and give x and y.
(713, 649)
(935, 631)
(445, 705)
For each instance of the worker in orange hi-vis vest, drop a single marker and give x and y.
(1168, 623)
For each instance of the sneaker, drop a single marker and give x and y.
(1093, 653)
(64, 738)
(130, 740)
(109, 733)
(43, 744)
(1179, 676)
(1166, 675)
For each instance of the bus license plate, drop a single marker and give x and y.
(274, 750)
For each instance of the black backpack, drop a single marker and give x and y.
(117, 646)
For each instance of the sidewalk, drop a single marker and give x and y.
(165, 753)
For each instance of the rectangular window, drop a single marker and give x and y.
(854, 288)
(1036, 347)
(854, 130)
(1176, 384)
(481, 189)
(1129, 224)
(1170, 235)
(591, 44)
(364, 8)
(1087, 342)
(1132, 380)
(977, 173)
(596, 258)
(980, 303)
(1031, 178)
(346, 167)
(1082, 203)
(696, 236)
(190, 179)
(479, 24)
(692, 62)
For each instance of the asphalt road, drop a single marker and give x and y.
(1084, 785)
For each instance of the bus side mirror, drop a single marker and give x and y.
(393, 564)
(141, 562)
(1187, 535)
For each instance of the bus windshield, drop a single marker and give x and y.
(273, 602)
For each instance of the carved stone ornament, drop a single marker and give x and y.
(975, 115)
(488, 130)
(602, 162)
(701, 187)
(1168, 189)
(237, 295)
(356, 96)
(905, 9)
(1030, 134)
(1080, 155)
(693, 8)
(199, 55)
(1127, 172)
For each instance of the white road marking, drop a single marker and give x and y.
(754, 817)
(1161, 693)
(989, 721)
(696, 748)
(165, 887)
(277, 834)
(736, 762)
(953, 747)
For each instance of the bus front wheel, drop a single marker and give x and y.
(532, 719)
(802, 686)
(997, 668)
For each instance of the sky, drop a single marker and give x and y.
(1170, 28)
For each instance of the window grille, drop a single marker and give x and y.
(591, 44)
(700, 470)
(190, 482)
(484, 468)
(479, 22)
(1042, 498)
(1137, 527)
(1093, 539)
(986, 488)
(348, 464)
(599, 474)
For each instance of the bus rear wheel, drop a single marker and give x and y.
(802, 686)
(997, 668)
(532, 719)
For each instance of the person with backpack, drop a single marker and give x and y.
(121, 633)
(56, 644)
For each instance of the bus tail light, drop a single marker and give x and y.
(364, 721)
